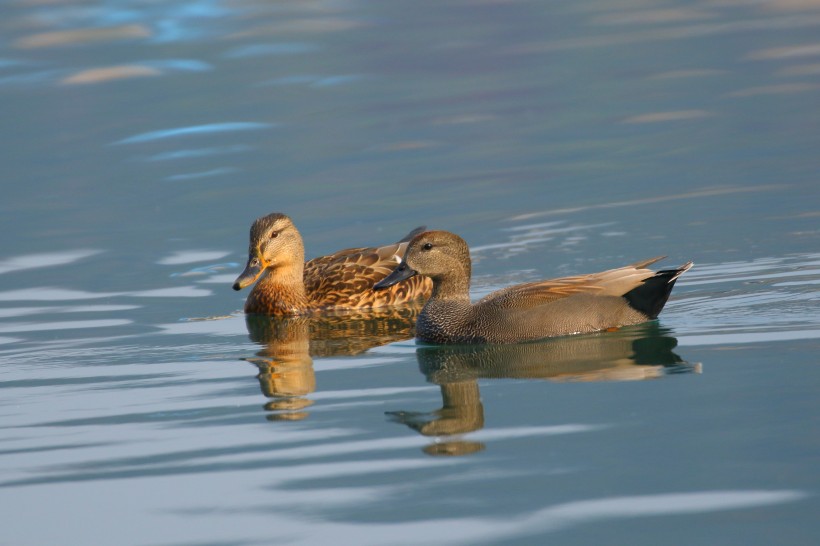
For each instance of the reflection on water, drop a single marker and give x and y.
(630, 354)
(285, 362)
(285, 366)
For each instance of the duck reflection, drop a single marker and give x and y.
(285, 362)
(630, 354)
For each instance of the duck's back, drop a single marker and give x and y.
(346, 278)
(613, 282)
(569, 305)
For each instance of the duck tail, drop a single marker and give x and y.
(650, 297)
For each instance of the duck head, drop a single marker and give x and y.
(440, 255)
(275, 244)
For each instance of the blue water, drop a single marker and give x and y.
(138, 405)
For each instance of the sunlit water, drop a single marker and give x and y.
(140, 406)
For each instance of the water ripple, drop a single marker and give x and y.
(314, 81)
(46, 259)
(202, 174)
(703, 192)
(9, 312)
(211, 128)
(50, 293)
(766, 299)
(66, 325)
(192, 256)
(525, 236)
(552, 518)
(173, 292)
(261, 50)
(200, 152)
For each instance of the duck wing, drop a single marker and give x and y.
(348, 276)
(354, 262)
(614, 282)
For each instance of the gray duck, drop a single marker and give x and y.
(525, 312)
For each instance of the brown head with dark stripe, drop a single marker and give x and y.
(275, 245)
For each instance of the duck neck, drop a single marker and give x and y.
(280, 292)
(451, 288)
(445, 313)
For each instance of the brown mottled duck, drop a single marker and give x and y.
(344, 280)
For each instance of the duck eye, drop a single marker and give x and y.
(274, 234)
(427, 246)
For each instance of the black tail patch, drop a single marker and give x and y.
(650, 297)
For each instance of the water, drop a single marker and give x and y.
(141, 139)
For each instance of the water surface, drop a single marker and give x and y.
(140, 406)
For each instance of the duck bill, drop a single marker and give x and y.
(402, 272)
(252, 271)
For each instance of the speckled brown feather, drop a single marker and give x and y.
(346, 279)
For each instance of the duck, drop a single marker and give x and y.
(525, 312)
(289, 286)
